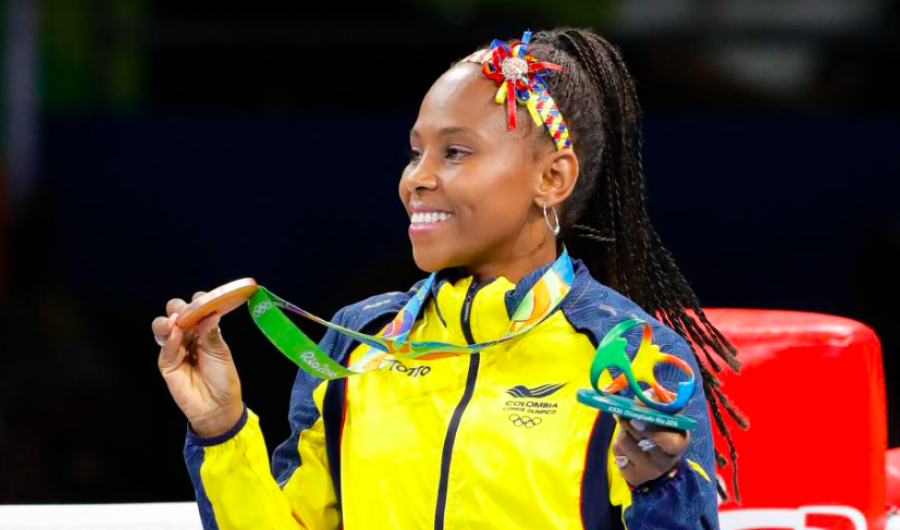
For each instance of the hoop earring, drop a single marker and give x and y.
(554, 229)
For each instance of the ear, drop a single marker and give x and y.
(558, 178)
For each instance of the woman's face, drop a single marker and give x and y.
(471, 186)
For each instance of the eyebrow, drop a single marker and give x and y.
(453, 129)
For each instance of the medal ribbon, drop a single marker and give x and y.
(392, 344)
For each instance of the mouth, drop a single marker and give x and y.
(421, 218)
(428, 221)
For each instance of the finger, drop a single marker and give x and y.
(209, 332)
(663, 446)
(643, 464)
(188, 336)
(197, 295)
(638, 424)
(210, 336)
(662, 459)
(657, 433)
(671, 443)
(632, 429)
(175, 305)
(172, 353)
(668, 442)
(161, 327)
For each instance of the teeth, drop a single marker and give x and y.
(429, 217)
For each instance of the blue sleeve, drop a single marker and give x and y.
(303, 412)
(677, 501)
(686, 498)
(286, 457)
(193, 457)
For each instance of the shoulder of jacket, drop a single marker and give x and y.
(596, 308)
(359, 314)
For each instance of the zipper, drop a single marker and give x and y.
(447, 452)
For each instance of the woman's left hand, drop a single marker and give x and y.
(645, 451)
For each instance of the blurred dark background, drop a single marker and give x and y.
(150, 149)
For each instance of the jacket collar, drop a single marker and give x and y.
(515, 296)
(576, 306)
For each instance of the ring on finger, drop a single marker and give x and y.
(647, 445)
(622, 461)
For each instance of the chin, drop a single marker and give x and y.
(431, 260)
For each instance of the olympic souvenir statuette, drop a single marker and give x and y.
(611, 353)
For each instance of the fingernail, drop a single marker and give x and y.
(639, 425)
(647, 445)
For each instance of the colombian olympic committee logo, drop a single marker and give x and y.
(536, 402)
(525, 421)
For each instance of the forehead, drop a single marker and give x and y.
(464, 97)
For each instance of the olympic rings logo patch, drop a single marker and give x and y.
(261, 309)
(524, 421)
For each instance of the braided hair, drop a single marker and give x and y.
(604, 221)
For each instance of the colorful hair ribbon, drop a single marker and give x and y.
(518, 79)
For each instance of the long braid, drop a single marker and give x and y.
(605, 221)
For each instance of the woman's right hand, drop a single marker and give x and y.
(199, 371)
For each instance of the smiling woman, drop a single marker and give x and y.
(521, 153)
(493, 182)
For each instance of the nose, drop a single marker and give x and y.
(421, 177)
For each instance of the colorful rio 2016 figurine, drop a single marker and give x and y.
(612, 354)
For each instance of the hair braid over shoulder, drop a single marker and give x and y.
(605, 221)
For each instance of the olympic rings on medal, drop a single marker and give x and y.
(525, 421)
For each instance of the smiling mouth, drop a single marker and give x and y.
(429, 218)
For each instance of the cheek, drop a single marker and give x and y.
(494, 201)
(402, 188)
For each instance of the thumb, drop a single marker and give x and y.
(210, 336)
(171, 354)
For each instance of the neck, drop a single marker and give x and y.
(516, 265)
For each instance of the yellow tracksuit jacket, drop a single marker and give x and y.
(491, 440)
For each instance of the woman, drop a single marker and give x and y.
(495, 439)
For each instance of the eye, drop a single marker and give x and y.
(457, 153)
(414, 154)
